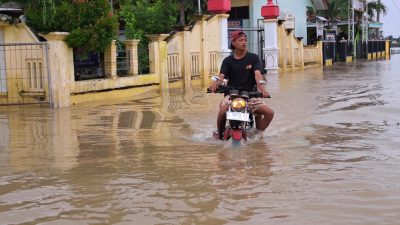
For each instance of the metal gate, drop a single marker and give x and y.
(24, 73)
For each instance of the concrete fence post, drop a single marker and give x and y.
(153, 57)
(301, 53)
(187, 73)
(320, 53)
(224, 50)
(110, 61)
(204, 52)
(132, 53)
(61, 64)
(291, 50)
(163, 65)
(282, 40)
(158, 58)
(387, 49)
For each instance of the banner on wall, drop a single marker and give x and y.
(234, 23)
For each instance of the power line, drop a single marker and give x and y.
(394, 3)
(398, 8)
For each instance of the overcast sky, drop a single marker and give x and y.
(390, 21)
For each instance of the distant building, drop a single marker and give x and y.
(246, 14)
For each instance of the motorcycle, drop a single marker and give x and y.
(239, 118)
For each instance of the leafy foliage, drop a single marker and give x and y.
(141, 17)
(147, 17)
(90, 24)
(336, 9)
(310, 12)
(189, 8)
(45, 9)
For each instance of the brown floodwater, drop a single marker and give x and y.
(331, 156)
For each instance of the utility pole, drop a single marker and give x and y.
(199, 4)
(378, 12)
(351, 26)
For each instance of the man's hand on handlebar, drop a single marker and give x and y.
(262, 90)
(214, 86)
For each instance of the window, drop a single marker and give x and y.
(239, 13)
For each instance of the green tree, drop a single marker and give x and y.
(147, 17)
(140, 17)
(90, 24)
(188, 8)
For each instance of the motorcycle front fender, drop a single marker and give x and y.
(237, 134)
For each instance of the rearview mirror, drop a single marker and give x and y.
(215, 78)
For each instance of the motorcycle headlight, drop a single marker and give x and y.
(238, 105)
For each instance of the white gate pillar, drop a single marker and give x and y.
(270, 12)
(224, 51)
(221, 7)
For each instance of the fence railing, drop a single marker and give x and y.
(35, 75)
(173, 67)
(24, 73)
(123, 60)
(195, 64)
(376, 46)
(213, 62)
(89, 66)
(329, 50)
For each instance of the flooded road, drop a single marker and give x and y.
(331, 156)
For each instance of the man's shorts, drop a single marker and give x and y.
(254, 103)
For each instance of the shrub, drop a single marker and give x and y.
(91, 26)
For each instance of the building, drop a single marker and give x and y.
(246, 14)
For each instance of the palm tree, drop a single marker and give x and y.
(310, 12)
(336, 9)
(376, 7)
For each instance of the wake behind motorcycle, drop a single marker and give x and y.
(239, 118)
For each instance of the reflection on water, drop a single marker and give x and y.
(331, 156)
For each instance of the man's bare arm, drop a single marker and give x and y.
(216, 83)
(260, 87)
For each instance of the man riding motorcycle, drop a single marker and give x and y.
(242, 69)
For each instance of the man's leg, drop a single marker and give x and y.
(263, 117)
(221, 120)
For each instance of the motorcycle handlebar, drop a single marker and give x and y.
(225, 90)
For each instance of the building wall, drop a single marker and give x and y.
(22, 67)
(297, 7)
(238, 3)
(19, 33)
(193, 48)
